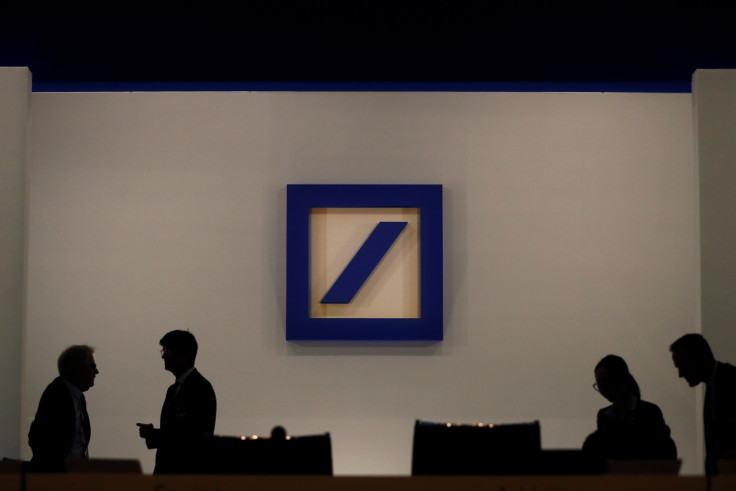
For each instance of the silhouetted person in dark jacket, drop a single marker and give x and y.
(630, 428)
(189, 410)
(61, 428)
(695, 363)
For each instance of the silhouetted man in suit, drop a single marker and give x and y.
(189, 410)
(695, 363)
(630, 428)
(61, 428)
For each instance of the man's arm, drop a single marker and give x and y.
(726, 411)
(194, 419)
(149, 433)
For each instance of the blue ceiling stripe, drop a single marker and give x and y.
(365, 86)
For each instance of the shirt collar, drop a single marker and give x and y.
(619, 412)
(712, 378)
(73, 390)
(631, 403)
(181, 378)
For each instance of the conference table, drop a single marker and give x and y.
(144, 482)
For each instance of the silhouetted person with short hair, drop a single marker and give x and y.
(61, 428)
(630, 428)
(695, 363)
(189, 410)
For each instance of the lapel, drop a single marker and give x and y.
(174, 395)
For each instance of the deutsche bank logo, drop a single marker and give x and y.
(364, 262)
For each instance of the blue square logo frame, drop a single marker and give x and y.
(301, 198)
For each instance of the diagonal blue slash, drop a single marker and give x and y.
(364, 262)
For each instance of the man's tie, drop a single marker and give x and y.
(169, 407)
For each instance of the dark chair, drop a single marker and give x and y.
(278, 454)
(569, 462)
(726, 466)
(457, 449)
(14, 465)
(660, 466)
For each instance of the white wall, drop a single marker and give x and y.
(714, 95)
(15, 93)
(570, 233)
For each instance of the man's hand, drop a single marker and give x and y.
(145, 429)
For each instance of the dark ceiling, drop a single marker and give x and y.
(398, 41)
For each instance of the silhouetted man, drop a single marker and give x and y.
(695, 363)
(61, 428)
(189, 410)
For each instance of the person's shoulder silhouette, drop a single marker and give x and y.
(630, 428)
(188, 413)
(61, 428)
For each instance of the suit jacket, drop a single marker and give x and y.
(719, 415)
(187, 419)
(52, 431)
(641, 435)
